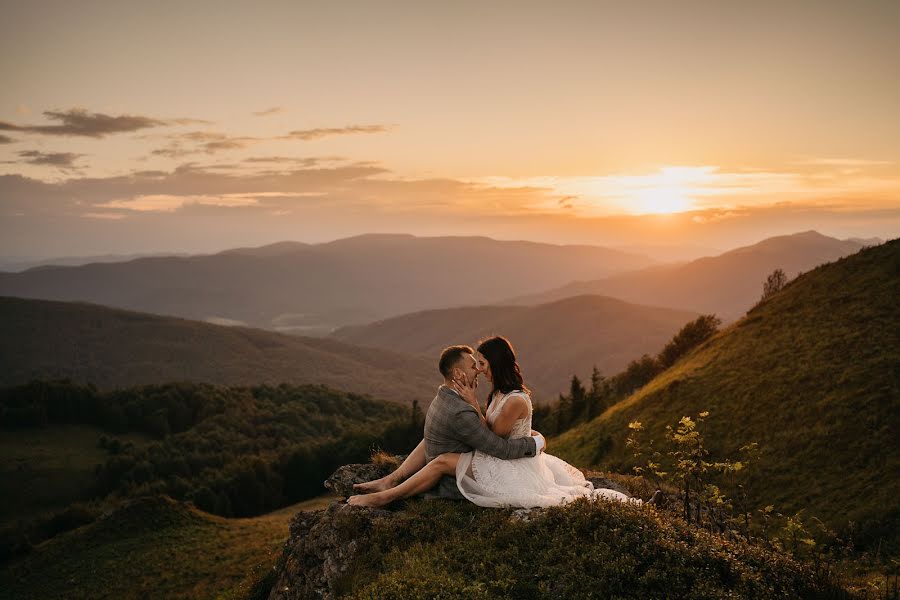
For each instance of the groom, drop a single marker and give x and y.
(454, 425)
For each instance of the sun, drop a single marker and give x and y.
(661, 200)
(670, 190)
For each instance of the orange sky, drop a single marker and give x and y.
(201, 127)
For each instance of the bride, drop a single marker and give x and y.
(541, 480)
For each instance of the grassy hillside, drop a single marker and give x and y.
(553, 341)
(727, 285)
(311, 289)
(111, 348)
(812, 375)
(152, 548)
(49, 468)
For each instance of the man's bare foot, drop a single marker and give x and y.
(379, 485)
(373, 500)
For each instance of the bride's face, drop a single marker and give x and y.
(483, 366)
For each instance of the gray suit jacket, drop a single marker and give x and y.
(453, 425)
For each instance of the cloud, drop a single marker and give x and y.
(202, 208)
(312, 186)
(228, 143)
(307, 161)
(685, 188)
(64, 160)
(270, 111)
(283, 159)
(171, 203)
(79, 122)
(6, 140)
(110, 216)
(566, 202)
(841, 162)
(23, 109)
(314, 134)
(173, 150)
(212, 142)
(197, 142)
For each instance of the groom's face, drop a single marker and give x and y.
(468, 367)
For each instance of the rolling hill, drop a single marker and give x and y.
(312, 289)
(553, 341)
(727, 285)
(153, 547)
(813, 375)
(112, 348)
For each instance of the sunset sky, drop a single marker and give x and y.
(132, 127)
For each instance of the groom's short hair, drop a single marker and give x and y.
(450, 356)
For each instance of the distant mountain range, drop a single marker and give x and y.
(13, 265)
(115, 348)
(553, 341)
(812, 375)
(727, 285)
(312, 289)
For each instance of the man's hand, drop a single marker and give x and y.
(466, 390)
(539, 440)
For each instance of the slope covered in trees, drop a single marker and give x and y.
(810, 374)
(234, 452)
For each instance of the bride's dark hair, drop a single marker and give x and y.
(505, 371)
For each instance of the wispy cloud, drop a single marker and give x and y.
(688, 188)
(6, 139)
(270, 111)
(171, 203)
(314, 134)
(79, 122)
(197, 142)
(294, 161)
(64, 160)
(109, 216)
(211, 142)
(841, 162)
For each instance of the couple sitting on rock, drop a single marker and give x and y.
(493, 459)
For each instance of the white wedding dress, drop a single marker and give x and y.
(541, 480)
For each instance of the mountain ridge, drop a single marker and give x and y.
(315, 288)
(727, 284)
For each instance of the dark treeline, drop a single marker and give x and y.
(233, 451)
(582, 403)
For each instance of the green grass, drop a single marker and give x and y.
(153, 547)
(813, 376)
(49, 468)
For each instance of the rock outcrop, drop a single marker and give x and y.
(321, 551)
(341, 481)
(320, 554)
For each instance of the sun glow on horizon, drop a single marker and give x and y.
(661, 200)
(670, 190)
